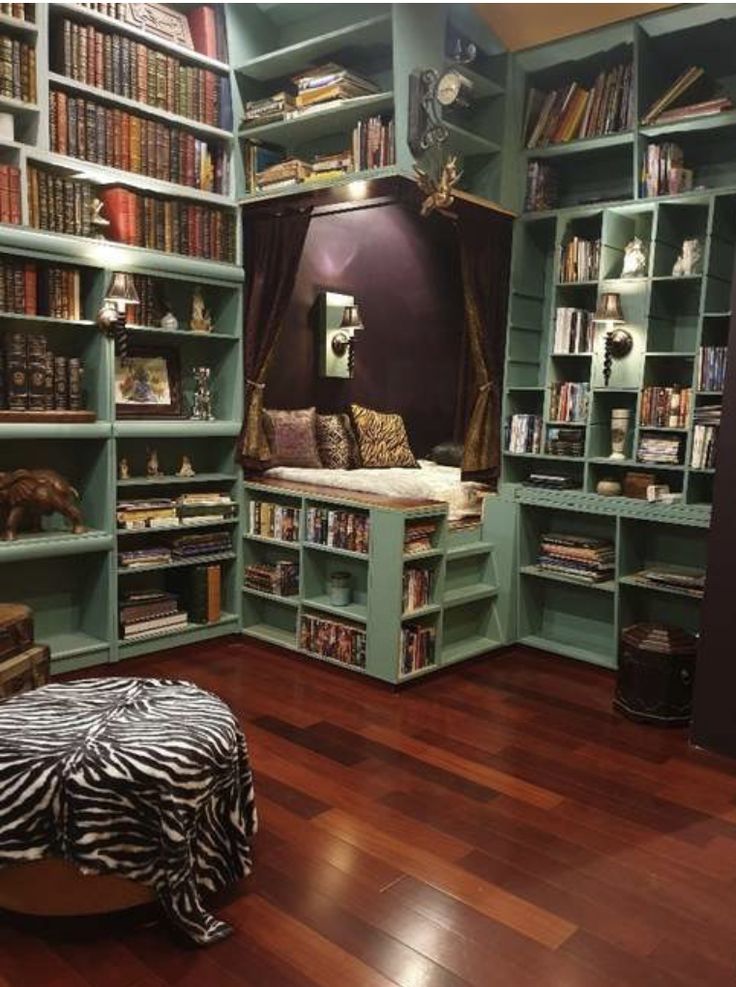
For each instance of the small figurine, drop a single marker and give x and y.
(439, 192)
(201, 320)
(202, 404)
(186, 468)
(152, 467)
(96, 220)
(635, 259)
(169, 320)
(690, 259)
(123, 469)
(28, 495)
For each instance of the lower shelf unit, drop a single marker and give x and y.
(466, 609)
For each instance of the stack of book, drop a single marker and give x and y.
(591, 560)
(418, 536)
(17, 69)
(194, 508)
(279, 579)
(331, 639)
(664, 449)
(565, 441)
(348, 530)
(116, 138)
(711, 368)
(706, 420)
(417, 647)
(10, 194)
(150, 555)
(190, 546)
(569, 402)
(144, 612)
(669, 107)
(326, 166)
(328, 85)
(29, 290)
(137, 71)
(201, 589)
(524, 434)
(417, 589)
(580, 260)
(171, 225)
(134, 515)
(34, 379)
(573, 112)
(549, 481)
(270, 109)
(542, 187)
(270, 520)
(374, 144)
(691, 581)
(283, 174)
(666, 407)
(573, 331)
(664, 171)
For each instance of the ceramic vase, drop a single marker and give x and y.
(619, 429)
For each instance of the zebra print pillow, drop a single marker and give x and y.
(382, 439)
(336, 443)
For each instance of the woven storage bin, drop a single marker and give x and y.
(656, 670)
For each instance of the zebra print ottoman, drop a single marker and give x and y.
(144, 778)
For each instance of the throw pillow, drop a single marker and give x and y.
(292, 436)
(333, 442)
(382, 439)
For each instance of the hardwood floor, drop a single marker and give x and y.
(498, 825)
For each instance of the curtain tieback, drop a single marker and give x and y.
(255, 383)
(486, 387)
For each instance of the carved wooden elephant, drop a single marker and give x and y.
(27, 495)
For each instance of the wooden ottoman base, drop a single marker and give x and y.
(57, 888)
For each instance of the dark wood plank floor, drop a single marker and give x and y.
(498, 825)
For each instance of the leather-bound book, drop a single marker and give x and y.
(16, 371)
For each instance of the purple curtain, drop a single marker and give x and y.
(272, 247)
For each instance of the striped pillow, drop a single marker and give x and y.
(382, 439)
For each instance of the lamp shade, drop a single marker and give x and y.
(609, 308)
(351, 318)
(121, 290)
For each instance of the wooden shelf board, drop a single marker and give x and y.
(468, 594)
(53, 544)
(706, 470)
(700, 394)
(582, 146)
(18, 106)
(713, 121)
(587, 356)
(18, 25)
(313, 546)
(273, 635)
(179, 428)
(165, 481)
(57, 417)
(289, 601)
(302, 188)
(475, 645)
(568, 650)
(181, 335)
(143, 109)
(469, 549)
(332, 661)
(428, 553)
(670, 590)
(265, 540)
(314, 124)
(353, 611)
(168, 637)
(608, 586)
(293, 58)
(51, 430)
(576, 284)
(88, 16)
(216, 523)
(676, 278)
(483, 87)
(46, 321)
(69, 644)
(177, 563)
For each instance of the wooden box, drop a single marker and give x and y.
(16, 629)
(635, 484)
(656, 670)
(25, 671)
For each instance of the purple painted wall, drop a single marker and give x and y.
(403, 271)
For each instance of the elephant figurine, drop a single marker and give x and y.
(27, 495)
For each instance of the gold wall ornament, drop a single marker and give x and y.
(438, 192)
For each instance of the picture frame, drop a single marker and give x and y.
(148, 383)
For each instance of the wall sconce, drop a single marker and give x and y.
(618, 342)
(339, 321)
(111, 318)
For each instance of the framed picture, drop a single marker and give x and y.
(148, 384)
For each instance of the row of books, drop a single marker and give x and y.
(17, 70)
(10, 206)
(691, 582)
(151, 305)
(419, 536)
(188, 508)
(569, 401)
(135, 70)
(416, 588)
(279, 579)
(565, 441)
(269, 520)
(663, 449)
(664, 171)
(59, 204)
(524, 434)
(348, 530)
(591, 560)
(669, 107)
(573, 331)
(580, 259)
(83, 128)
(181, 548)
(417, 647)
(332, 639)
(711, 368)
(33, 378)
(205, 21)
(703, 455)
(542, 187)
(666, 407)
(32, 290)
(21, 11)
(573, 112)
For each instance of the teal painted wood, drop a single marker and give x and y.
(384, 594)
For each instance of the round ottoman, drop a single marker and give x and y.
(142, 779)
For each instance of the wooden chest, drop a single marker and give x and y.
(25, 671)
(16, 629)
